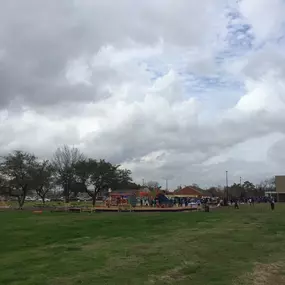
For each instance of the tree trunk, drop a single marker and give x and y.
(43, 199)
(94, 200)
(66, 192)
(21, 201)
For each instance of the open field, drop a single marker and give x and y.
(221, 247)
(28, 204)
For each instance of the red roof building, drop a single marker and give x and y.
(187, 191)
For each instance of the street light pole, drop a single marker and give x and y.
(227, 186)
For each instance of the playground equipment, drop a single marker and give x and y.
(163, 201)
(124, 201)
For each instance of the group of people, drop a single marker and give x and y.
(252, 201)
(171, 202)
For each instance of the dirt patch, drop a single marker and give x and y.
(267, 274)
(264, 274)
(179, 273)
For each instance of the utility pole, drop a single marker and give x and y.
(166, 184)
(240, 181)
(227, 186)
(143, 182)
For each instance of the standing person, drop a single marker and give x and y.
(236, 204)
(272, 204)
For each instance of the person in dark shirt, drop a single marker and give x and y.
(272, 204)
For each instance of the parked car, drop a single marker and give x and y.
(28, 198)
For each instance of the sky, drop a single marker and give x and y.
(180, 90)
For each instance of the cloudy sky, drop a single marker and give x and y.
(181, 90)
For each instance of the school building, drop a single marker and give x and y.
(280, 188)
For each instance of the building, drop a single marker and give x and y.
(280, 188)
(187, 192)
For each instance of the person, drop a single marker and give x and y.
(236, 204)
(272, 204)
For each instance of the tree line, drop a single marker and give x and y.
(236, 190)
(22, 173)
(244, 190)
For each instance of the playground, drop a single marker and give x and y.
(138, 201)
(225, 246)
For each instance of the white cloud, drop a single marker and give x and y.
(265, 17)
(180, 90)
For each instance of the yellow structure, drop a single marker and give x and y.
(280, 188)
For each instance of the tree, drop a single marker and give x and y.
(77, 188)
(214, 191)
(248, 188)
(64, 160)
(153, 185)
(123, 180)
(124, 177)
(3, 186)
(99, 174)
(44, 179)
(18, 170)
(268, 185)
(235, 190)
(196, 186)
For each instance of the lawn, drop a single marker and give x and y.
(227, 246)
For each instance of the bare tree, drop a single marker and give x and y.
(18, 170)
(268, 185)
(152, 185)
(44, 179)
(64, 160)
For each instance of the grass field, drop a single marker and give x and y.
(221, 247)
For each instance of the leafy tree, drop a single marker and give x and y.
(76, 188)
(123, 180)
(4, 186)
(18, 169)
(99, 174)
(44, 179)
(64, 160)
(235, 190)
(248, 188)
(124, 177)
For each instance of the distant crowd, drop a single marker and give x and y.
(251, 201)
(162, 200)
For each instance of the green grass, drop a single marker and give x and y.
(14, 204)
(220, 247)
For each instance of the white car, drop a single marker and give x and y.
(30, 198)
(46, 200)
